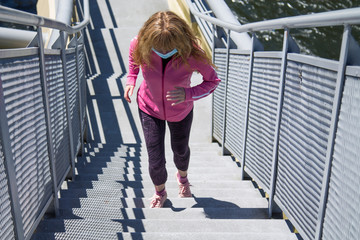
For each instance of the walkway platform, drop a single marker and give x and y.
(109, 198)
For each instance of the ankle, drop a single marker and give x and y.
(182, 179)
(161, 192)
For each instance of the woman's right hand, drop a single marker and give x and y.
(129, 89)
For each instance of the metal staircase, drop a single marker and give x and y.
(289, 120)
(109, 198)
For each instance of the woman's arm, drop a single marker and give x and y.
(133, 72)
(209, 84)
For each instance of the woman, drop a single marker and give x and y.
(168, 53)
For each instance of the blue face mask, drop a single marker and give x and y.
(166, 55)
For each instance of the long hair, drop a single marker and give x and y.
(166, 31)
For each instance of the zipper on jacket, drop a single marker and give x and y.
(163, 88)
(163, 82)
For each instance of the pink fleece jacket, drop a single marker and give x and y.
(151, 96)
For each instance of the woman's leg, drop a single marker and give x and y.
(180, 134)
(154, 133)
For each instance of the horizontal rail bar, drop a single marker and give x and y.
(19, 52)
(333, 18)
(20, 17)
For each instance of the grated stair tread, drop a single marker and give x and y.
(164, 225)
(164, 236)
(199, 202)
(146, 176)
(172, 212)
(148, 193)
(171, 183)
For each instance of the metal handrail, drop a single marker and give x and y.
(334, 18)
(20, 17)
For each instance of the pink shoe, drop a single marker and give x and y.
(158, 201)
(184, 188)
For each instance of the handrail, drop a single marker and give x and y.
(334, 18)
(20, 17)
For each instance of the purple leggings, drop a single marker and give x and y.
(154, 133)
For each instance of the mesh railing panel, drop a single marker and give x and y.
(26, 120)
(73, 99)
(262, 118)
(236, 102)
(6, 219)
(304, 130)
(342, 214)
(219, 95)
(59, 125)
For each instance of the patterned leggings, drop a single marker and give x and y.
(154, 133)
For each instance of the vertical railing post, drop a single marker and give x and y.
(246, 120)
(83, 82)
(213, 98)
(67, 102)
(45, 96)
(80, 97)
(76, 42)
(278, 119)
(10, 168)
(340, 80)
(226, 86)
(213, 42)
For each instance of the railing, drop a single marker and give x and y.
(293, 121)
(42, 121)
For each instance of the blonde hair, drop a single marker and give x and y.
(165, 31)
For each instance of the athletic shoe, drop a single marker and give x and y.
(158, 201)
(184, 188)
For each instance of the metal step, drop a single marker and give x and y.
(165, 225)
(174, 212)
(168, 153)
(138, 162)
(171, 183)
(149, 192)
(146, 177)
(197, 202)
(164, 236)
(99, 146)
(144, 170)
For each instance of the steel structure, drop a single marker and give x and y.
(42, 120)
(292, 120)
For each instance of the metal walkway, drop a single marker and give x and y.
(110, 195)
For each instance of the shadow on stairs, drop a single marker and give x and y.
(110, 196)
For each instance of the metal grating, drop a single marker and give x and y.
(262, 119)
(342, 214)
(305, 123)
(236, 103)
(73, 99)
(27, 128)
(219, 95)
(59, 126)
(6, 219)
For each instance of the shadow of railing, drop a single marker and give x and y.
(102, 102)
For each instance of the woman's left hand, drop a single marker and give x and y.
(177, 95)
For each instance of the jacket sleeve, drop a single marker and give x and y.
(209, 84)
(133, 68)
